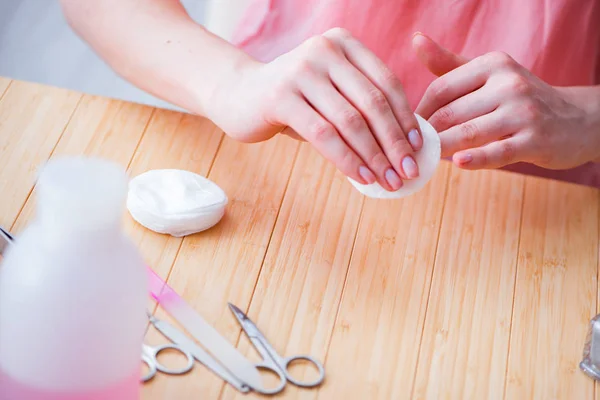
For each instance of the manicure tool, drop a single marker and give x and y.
(590, 364)
(190, 347)
(272, 361)
(223, 351)
(150, 358)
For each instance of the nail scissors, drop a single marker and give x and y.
(272, 361)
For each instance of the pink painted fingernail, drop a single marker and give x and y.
(464, 158)
(393, 179)
(415, 139)
(410, 167)
(366, 174)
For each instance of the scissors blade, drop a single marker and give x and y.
(6, 240)
(260, 343)
(271, 359)
(196, 351)
(249, 327)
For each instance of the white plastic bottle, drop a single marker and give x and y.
(73, 291)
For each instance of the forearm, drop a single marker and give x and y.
(156, 46)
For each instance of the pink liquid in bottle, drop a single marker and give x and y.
(10, 389)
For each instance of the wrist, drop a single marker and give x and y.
(590, 103)
(593, 125)
(587, 99)
(213, 92)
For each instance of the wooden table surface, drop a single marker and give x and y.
(479, 286)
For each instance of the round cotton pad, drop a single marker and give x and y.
(427, 158)
(175, 202)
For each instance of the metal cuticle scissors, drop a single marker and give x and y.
(272, 361)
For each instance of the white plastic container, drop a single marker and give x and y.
(73, 291)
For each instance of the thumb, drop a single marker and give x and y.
(436, 58)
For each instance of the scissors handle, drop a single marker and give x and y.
(286, 361)
(151, 368)
(268, 365)
(151, 359)
(280, 366)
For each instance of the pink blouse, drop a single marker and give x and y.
(558, 40)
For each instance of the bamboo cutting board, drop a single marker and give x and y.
(480, 286)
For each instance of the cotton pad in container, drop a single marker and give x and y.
(427, 159)
(175, 202)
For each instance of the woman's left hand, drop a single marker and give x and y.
(491, 112)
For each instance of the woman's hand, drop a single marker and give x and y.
(491, 112)
(330, 91)
(334, 93)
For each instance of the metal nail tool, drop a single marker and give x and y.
(272, 361)
(590, 363)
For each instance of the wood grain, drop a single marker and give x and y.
(32, 119)
(465, 339)
(555, 292)
(4, 84)
(222, 264)
(300, 285)
(100, 127)
(374, 347)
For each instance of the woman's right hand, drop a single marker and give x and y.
(332, 92)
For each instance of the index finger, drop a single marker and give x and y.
(311, 125)
(384, 79)
(453, 85)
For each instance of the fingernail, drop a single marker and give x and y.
(464, 158)
(366, 174)
(393, 179)
(410, 167)
(415, 139)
